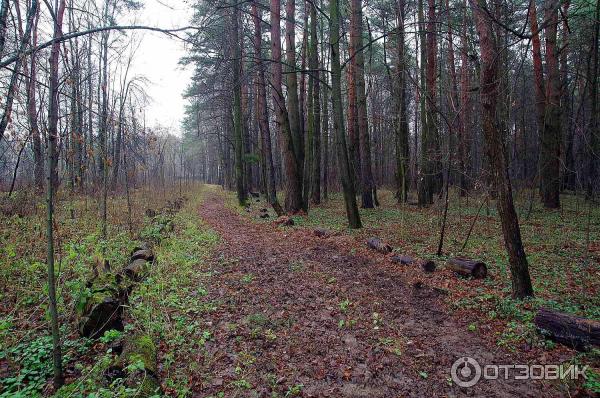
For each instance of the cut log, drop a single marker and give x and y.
(150, 213)
(378, 245)
(99, 312)
(322, 232)
(468, 267)
(137, 269)
(569, 330)
(141, 246)
(403, 260)
(284, 220)
(427, 265)
(139, 353)
(143, 254)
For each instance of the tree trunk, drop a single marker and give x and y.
(52, 138)
(15, 74)
(263, 113)
(521, 282)
(551, 133)
(367, 184)
(237, 108)
(594, 151)
(297, 134)
(293, 179)
(338, 120)
(402, 131)
(465, 108)
(314, 115)
(3, 19)
(425, 186)
(38, 161)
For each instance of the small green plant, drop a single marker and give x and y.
(247, 278)
(294, 390)
(344, 305)
(110, 336)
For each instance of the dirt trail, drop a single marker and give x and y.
(285, 294)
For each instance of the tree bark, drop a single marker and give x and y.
(314, 115)
(263, 113)
(494, 146)
(293, 102)
(38, 161)
(53, 110)
(367, 184)
(594, 134)
(338, 121)
(15, 75)
(402, 131)
(551, 133)
(293, 179)
(237, 108)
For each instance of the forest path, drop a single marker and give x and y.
(296, 310)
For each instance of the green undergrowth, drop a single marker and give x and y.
(169, 304)
(25, 347)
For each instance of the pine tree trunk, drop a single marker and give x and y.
(402, 133)
(465, 107)
(594, 134)
(293, 178)
(314, 110)
(551, 133)
(338, 118)
(263, 113)
(494, 146)
(237, 108)
(366, 172)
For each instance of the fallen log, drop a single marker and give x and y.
(99, 308)
(284, 220)
(468, 267)
(321, 232)
(572, 331)
(428, 265)
(137, 269)
(140, 354)
(142, 254)
(403, 260)
(378, 245)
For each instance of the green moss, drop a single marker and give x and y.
(139, 348)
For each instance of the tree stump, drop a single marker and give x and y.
(379, 246)
(467, 267)
(572, 331)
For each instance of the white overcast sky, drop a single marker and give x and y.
(157, 59)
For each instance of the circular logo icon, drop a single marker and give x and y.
(465, 372)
